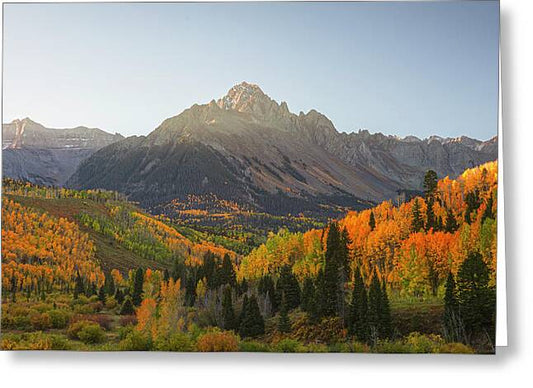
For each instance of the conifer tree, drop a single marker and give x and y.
(288, 285)
(331, 281)
(385, 324)
(110, 285)
(78, 288)
(228, 275)
(451, 222)
(119, 296)
(190, 290)
(243, 310)
(452, 322)
(430, 215)
(417, 223)
(359, 309)
(430, 183)
(137, 292)
(374, 307)
(127, 307)
(266, 288)
(372, 221)
(476, 298)
(101, 294)
(284, 323)
(228, 314)
(252, 324)
(308, 294)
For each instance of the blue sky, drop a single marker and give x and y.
(410, 68)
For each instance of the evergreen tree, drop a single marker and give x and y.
(331, 281)
(288, 285)
(137, 292)
(430, 183)
(359, 309)
(179, 270)
(372, 221)
(417, 223)
(127, 307)
(308, 294)
(476, 298)
(243, 310)
(430, 215)
(110, 285)
(284, 323)
(252, 324)
(242, 287)
(119, 296)
(101, 294)
(227, 275)
(190, 290)
(166, 275)
(266, 288)
(374, 308)
(488, 213)
(78, 288)
(228, 314)
(452, 322)
(385, 324)
(451, 222)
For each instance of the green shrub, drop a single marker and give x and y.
(40, 321)
(289, 346)
(33, 341)
(76, 327)
(59, 318)
(111, 303)
(91, 334)
(136, 340)
(253, 346)
(178, 342)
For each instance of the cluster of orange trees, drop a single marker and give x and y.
(41, 253)
(411, 247)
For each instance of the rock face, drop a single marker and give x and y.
(248, 148)
(48, 156)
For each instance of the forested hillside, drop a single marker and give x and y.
(90, 270)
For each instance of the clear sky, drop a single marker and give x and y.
(410, 68)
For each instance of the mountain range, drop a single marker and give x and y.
(246, 147)
(48, 156)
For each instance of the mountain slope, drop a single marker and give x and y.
(48, 156)
(247, 148)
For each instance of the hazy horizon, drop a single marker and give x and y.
(401, 69)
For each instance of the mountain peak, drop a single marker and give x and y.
(244, 97)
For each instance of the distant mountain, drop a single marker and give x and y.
(48, 156)
(247, 148)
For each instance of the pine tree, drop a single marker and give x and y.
(119, 296)
(228, 275)
(359, 309)
(288, 285)
(252, 324)
(267, 288)
(385, 324)
(475, 297)
(190, 290)
(488, 213)
(127, 307)
(452, 322)
(138, 287)
(430, 183)
(372, 221)
(331, 281)
(451, 223)
(101, 294)
(284, 323)
(374, 308)
(78, 288)
(430, 215)
(110, 285)
(243, 310)
(308, 294)
(228, 314)
(417, 223)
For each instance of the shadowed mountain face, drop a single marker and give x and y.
(48, 156)
(248, 148)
